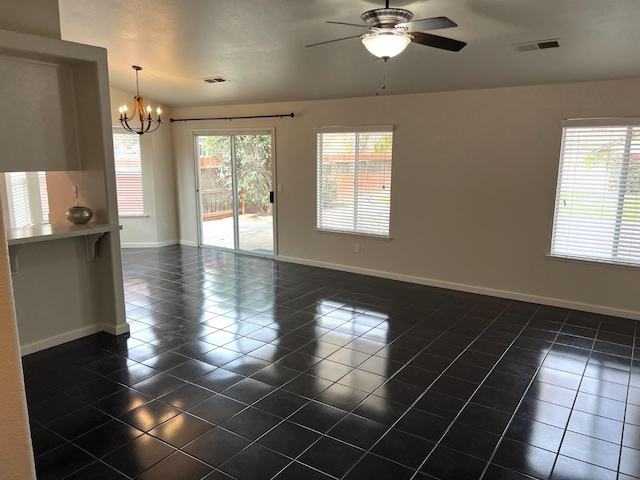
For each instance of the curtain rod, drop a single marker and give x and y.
(231, 118)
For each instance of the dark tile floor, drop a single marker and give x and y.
(241, 367)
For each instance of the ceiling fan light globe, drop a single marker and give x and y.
(386, 45)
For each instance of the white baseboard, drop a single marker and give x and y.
(166, 243)
(115, 329)
(524, 297)
(61, 338)
(189, 243)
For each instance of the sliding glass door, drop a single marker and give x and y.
(235, 174)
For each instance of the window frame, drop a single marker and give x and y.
(35, 196)
(118, 130)
(347, 130)
(630, 145)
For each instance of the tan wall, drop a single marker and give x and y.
(39, 17)
(36, 17)
(16, 456)
(473, 188)
(157, 180)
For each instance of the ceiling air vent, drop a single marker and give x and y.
(541, 45)
(215, 80)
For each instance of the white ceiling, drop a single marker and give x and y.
(259, 45)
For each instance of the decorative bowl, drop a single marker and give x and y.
(79, 214)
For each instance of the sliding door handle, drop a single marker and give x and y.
(270, 197)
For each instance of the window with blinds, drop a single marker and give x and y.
(19, 199)
(44, 196)
(128, 162)
(597, 209)
(27, 198)
(354, 180)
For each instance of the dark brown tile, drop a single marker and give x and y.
(107, 438)
(175, 466)
(181, 430)
(61, 461)
(138, 455)
(403, 448)
(358, 431)
(591, 450)
(251, 423)
(331, 456)
(150, 415)
(217, 409)
(447, 464)
(216, 446)
(289, 439)
(255, 463)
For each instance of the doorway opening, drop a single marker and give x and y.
(235, 195)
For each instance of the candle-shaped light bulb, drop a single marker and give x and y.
(159, 112)
(124, 108)
(121, 110)
(148, 109)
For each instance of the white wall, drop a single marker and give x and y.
(157, 180)
(473, 189)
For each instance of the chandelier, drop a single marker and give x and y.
(144, 115)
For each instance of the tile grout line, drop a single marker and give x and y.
(324, 434)
(566, 427)
(468, 401)
(626, 404)
(417, 400)
(514, 414)
(252, 442)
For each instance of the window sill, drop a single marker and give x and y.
(592, 262)
(385, 238)
(127, 217)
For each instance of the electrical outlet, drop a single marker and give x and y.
(357, 248)
(164, 225)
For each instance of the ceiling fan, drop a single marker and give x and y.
(391, 30)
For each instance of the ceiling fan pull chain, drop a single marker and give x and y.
(383, 87)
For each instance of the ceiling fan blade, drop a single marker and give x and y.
(426, 24)
(436, 41)
(350, 24)
(331, 41)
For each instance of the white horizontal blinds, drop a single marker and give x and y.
(354, 181)
(597, 211)
(128, 164)
(44, 196)
(19, 192)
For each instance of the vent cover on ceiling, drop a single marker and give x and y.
(541, 45)
(215, 80)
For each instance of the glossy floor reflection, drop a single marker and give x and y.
(246, 368)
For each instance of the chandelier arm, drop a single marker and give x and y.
(156, 127)
(125, 124)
